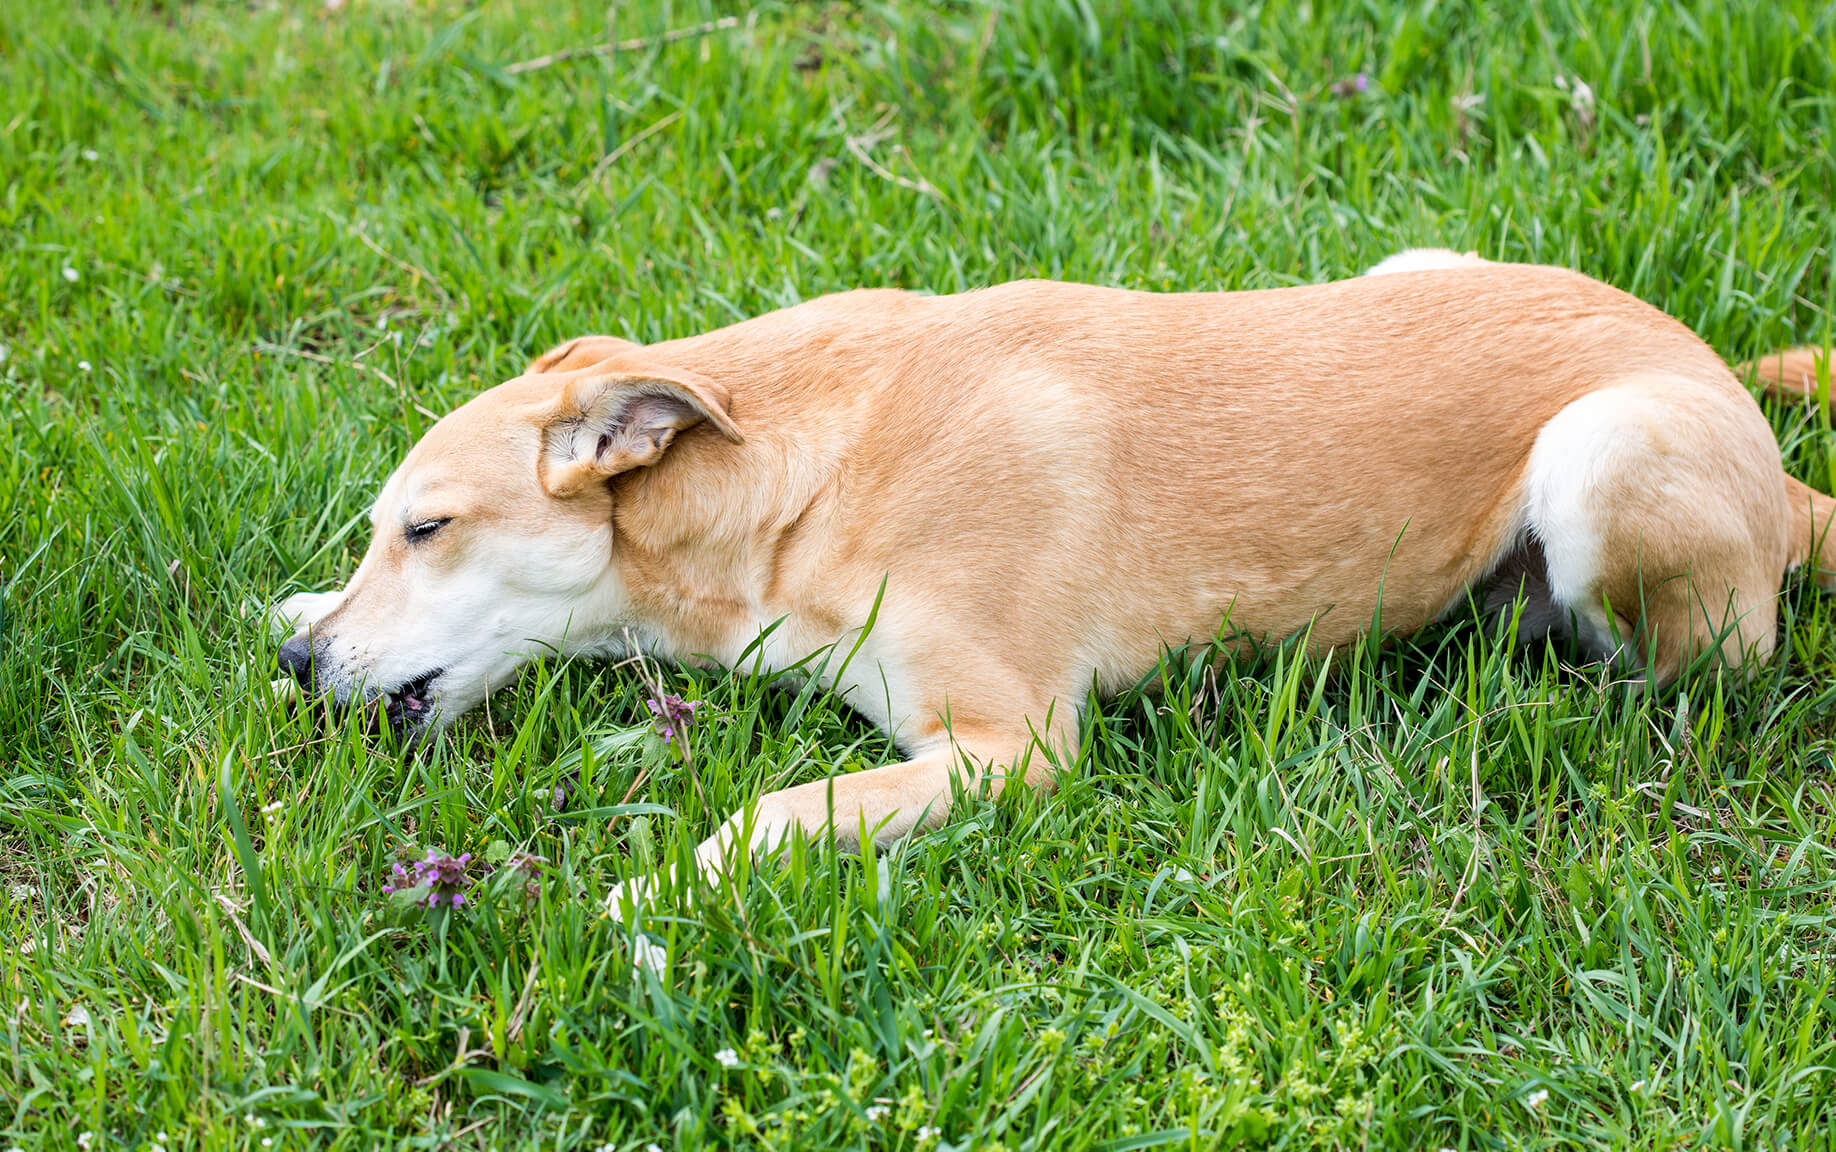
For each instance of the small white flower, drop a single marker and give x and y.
(653, 1148)
(1537, 1099)
(83, 364)
(160, 1136)
(928, 1133)
(267, 1141)
(91, 154)
(71, 274)
(271, 809)
(78, 1017)
(877, 1113)
(728, 1058)
(83, 1140)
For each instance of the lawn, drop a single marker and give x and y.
(1450, 893)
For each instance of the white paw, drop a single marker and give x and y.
(649, 956)
(630, 900)
(302, 610)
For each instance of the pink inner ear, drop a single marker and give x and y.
(605, 441)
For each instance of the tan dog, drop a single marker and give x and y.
(1046, 486)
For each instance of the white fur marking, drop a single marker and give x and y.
(1589, 439)
(1425, 260)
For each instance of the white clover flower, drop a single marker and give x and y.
(71, 274)
(653, 1148)
(1537, 1099)
(83, 364)
(270, 809)
(84, 1139)
(928, 1133)
(877, 1113)
(91, 155)
(267, 1141)
(77, 1017)
(728, 1058)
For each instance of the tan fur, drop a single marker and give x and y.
(1055, 483)
(1791, 374)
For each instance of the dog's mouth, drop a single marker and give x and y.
(411, 704)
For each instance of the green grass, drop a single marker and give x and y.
(1445, 894)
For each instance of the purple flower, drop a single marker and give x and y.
(437, 880)
(532, 867)
(673, 714)
(1351, 86)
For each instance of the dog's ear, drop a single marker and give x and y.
(583, 352)
(602, 425)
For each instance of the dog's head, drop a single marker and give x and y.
(493, 543)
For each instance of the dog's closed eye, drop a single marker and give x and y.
(425, 528)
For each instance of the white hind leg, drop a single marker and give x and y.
(1661, 512)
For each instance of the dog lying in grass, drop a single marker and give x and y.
(1038, 487)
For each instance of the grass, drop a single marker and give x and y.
(1449, 893)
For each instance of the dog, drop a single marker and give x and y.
(1037, 488)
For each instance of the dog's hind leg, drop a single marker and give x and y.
(1662, 513)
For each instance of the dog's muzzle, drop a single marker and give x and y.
(408, 706)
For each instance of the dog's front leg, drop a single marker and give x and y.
(885, 802)
(303, 610)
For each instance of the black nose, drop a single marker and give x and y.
(296, 659)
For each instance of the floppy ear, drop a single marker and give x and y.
(583, 352)
(606, 424)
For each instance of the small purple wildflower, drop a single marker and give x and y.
(443, 877)
(673, 714)
(1351, 86)
(532, 867)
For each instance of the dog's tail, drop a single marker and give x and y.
(1791, 374)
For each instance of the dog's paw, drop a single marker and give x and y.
(628, 902)
(302, 610)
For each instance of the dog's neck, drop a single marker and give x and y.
(706, 541)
